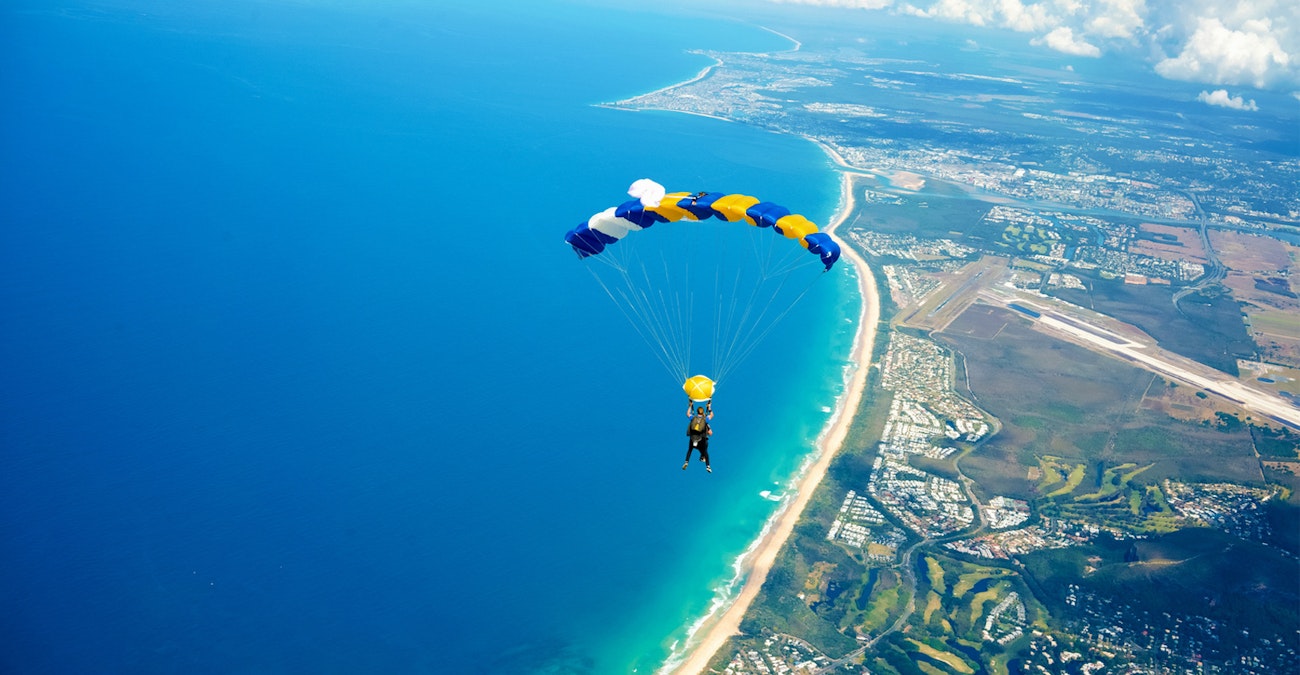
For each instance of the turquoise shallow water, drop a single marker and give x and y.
(290, 375)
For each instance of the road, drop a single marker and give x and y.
(1214, 270)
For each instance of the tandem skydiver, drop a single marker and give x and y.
(698, 431)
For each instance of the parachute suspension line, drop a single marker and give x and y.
(726, 328)
(766, 265)
(758, 319)
(779, 258)
(626, 307)
(723, 312)
(651, 320)
(721, 326)
(740, 328)
(737, 294)
(679, 324)
(743, 329)
(768, 329)
(664, 320)
(730, 331)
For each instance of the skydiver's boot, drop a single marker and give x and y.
(685, 464)
(708, 468)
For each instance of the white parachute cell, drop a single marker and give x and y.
(649, 192)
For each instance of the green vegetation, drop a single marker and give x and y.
(1284, 520)
(980, 600)
(1118, 502)
(1281, 442)
(954, 662)
(886, 604)
(1113, 480)
(947, 633)
(1071, 482)
(957, 216)
(1249, 586)
(944, 468)
(932, 604)
(934, 573)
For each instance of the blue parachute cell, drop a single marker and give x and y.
(765, 214)
(822, 244)
(700, 205)
(635, 212)
(587, 241)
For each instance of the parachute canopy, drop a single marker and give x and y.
(693, 290)
(699, 388)
(654, 206)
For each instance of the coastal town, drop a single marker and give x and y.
(757, 89)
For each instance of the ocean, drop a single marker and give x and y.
(298, 374)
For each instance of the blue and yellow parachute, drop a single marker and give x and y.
(666, 293)
(612, 224)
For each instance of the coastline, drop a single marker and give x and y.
(714, 630)
(704, 72)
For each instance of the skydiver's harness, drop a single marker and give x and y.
(699, 425)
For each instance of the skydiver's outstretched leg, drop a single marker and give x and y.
(700, 443)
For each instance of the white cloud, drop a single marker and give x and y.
(1012, 14)
(1221, 98)
(1062, 39)
(1117, 19)
(1244, 42)
(958, 11)
(1219, 55)
(851, 4)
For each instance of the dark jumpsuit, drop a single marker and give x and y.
(703, 442)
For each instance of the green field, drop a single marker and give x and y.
(1080, 414)
(941, 211)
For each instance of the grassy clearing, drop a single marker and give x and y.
(979, 600)
(1071, 482)
(935, 573)
(932, 604)
(948, 658)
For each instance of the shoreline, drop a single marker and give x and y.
(714, 630)
(704, 72)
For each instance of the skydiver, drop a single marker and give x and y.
(698, 431)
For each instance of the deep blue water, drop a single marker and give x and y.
(297, 373)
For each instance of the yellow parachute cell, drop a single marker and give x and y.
(699, 388)
(731, 208)
(795, 226)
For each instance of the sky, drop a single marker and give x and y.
(1232, 47)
